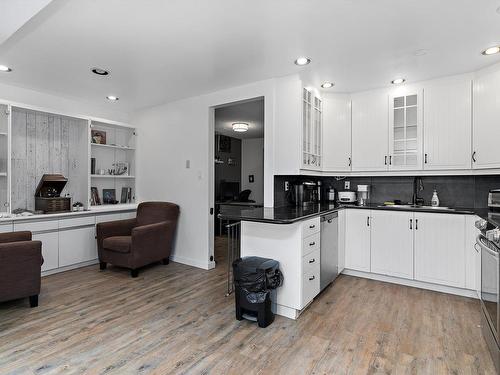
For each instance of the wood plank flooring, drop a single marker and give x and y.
(175, 319)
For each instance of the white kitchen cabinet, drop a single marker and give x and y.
(357, 240)
(405, 129)
(311, 130)
(392, 243)
(336, 133)
(77, 245)
(471, 255)
(486, 124)
(342, 233)
(370, 131)
(440, 249)
(448, 123)
(50, 249)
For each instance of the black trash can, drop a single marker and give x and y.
(255, 283)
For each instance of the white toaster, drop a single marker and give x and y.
(347, 196)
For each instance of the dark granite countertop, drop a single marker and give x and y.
(292, 214)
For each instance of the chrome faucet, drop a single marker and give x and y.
(418, 186)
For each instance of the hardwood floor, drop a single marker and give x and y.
(175, 319)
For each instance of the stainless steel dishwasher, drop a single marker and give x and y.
(329, 248)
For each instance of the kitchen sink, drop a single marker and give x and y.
(417, 207)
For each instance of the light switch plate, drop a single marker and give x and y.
(347, 185)
(188, 164)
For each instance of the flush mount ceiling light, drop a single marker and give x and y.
(491, 50)
(398, 81)
(240, 127)
(100, 71)
(327, 85)
(5, 69)
(301, 61)
(112, 98)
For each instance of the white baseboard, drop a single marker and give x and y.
(413, 283)
(71, 267)
(192, 262)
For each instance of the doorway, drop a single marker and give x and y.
(238, 169)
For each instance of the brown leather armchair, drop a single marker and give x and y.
(20, 267)
(134, 243)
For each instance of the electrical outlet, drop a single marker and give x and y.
(287, 186)
(347, 185)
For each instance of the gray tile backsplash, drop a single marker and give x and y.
(454, 191)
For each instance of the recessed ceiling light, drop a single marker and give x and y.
(240, 127)
(327, 85)
(100, 71)
(398, 81)
(5, 69)
(491, 51)
(302, 61)
(112, 98)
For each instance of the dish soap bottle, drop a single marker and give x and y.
(435, 199)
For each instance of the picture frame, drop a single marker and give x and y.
(126, 195)
(95, 200)
(98, 137)
(109, 196)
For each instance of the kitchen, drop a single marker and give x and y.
(407, 179)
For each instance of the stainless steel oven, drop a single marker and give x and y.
(488, 243)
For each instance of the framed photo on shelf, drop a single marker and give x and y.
(126, 196)
(109, 196)
(98, 136)
(94, 196)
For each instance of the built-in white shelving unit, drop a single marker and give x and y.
(111, 147)
(34, 141)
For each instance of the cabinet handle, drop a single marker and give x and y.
(474, 156)
(312, 243)
(311, 278)
(312, 260)
(425, 158)
(312, 226)
(385, 160)
(411, 223)
(390, 159)
(368, 221)
(416, 224)
(349, 162)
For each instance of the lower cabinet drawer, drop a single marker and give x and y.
(107, 217)
(311, 243)
(310, 283)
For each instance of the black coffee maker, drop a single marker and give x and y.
(304, 193)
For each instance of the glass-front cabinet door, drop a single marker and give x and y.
(4, 158)
(405, 131)
(312, 122)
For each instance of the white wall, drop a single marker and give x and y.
(252, 163)
(58, 104)
(173, 133)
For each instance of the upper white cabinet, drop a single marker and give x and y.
(311, 130)
(447, 123)
(392, 243)
(369, 131)
(440, 249)
(405, 130)
(336, 133)
(357, 240)
(486, 124)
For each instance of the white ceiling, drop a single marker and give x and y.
(250, 112)
(160, 50)
(15, 13)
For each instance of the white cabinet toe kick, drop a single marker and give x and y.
(433, 251)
